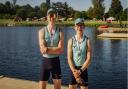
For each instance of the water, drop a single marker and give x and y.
(20, 57)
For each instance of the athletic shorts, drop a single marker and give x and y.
(84, 77)
(50, 66)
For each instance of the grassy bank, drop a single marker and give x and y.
(64, 23)
(33, 23)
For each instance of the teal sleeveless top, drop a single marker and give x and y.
(79, 50)
(52, 40)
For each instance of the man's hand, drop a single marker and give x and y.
(44, 49)
(76, 73)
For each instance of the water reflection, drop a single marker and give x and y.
(20, 57)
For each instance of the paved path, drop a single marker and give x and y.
(13, 83)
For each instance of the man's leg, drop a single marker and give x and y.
(83, 87)
(56, 73)
(72, 86)
(42, 84)
(57, 83)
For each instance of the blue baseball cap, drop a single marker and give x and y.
(51, 10)
(79, 21)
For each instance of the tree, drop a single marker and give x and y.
(84, 14)
(116, 9)
(98, 9)
(28, 9)
(14, 2)
(106, 15)
(48, 4)
(78, 14)
(61, 8)
(90, 13)
(25, 11)
(71, 12)
(2, 8)
(66, 9)
(7, 7)
(21, 13)
(124, 15)
(81, 14)
(43, 8)
(37, 12)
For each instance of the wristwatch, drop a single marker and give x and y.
(81, 70)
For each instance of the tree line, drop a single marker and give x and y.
(10, 10)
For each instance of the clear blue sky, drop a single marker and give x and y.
(81, 5)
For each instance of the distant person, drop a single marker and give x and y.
(79, 56)
(51, 43)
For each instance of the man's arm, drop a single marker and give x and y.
(70, 55)
(42, 42)
(70, 59)
(60, 48)
(88, 58)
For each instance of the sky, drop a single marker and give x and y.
(81, 5)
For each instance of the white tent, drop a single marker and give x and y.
(110, 19)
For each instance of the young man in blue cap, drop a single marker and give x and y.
(79, 55)
(51, 43)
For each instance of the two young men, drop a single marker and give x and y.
(51, 41)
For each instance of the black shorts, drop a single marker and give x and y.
(84, 76)
(50, 65)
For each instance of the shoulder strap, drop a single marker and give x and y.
(58, 28)
(86, 42)
(85, 37)
(73, 40)
(45, 29)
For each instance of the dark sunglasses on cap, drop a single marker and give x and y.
(80, 24)
(51, 15)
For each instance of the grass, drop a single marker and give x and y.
(4, 22)
(30, 23)
(95, 23)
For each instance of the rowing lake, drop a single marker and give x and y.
(20, 57)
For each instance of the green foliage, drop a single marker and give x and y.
(9, 10)
(81, 14)
(6, 10)
(14, 2)
(2, 8)
(89, 13)
(63, 9)
(5, 16)
(116, 9)
(77, 14)
(124, 15)
(44, 8)
(97, 11)
(21, 13)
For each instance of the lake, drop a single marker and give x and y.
(20, 57)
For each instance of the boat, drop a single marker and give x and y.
(103, 26)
